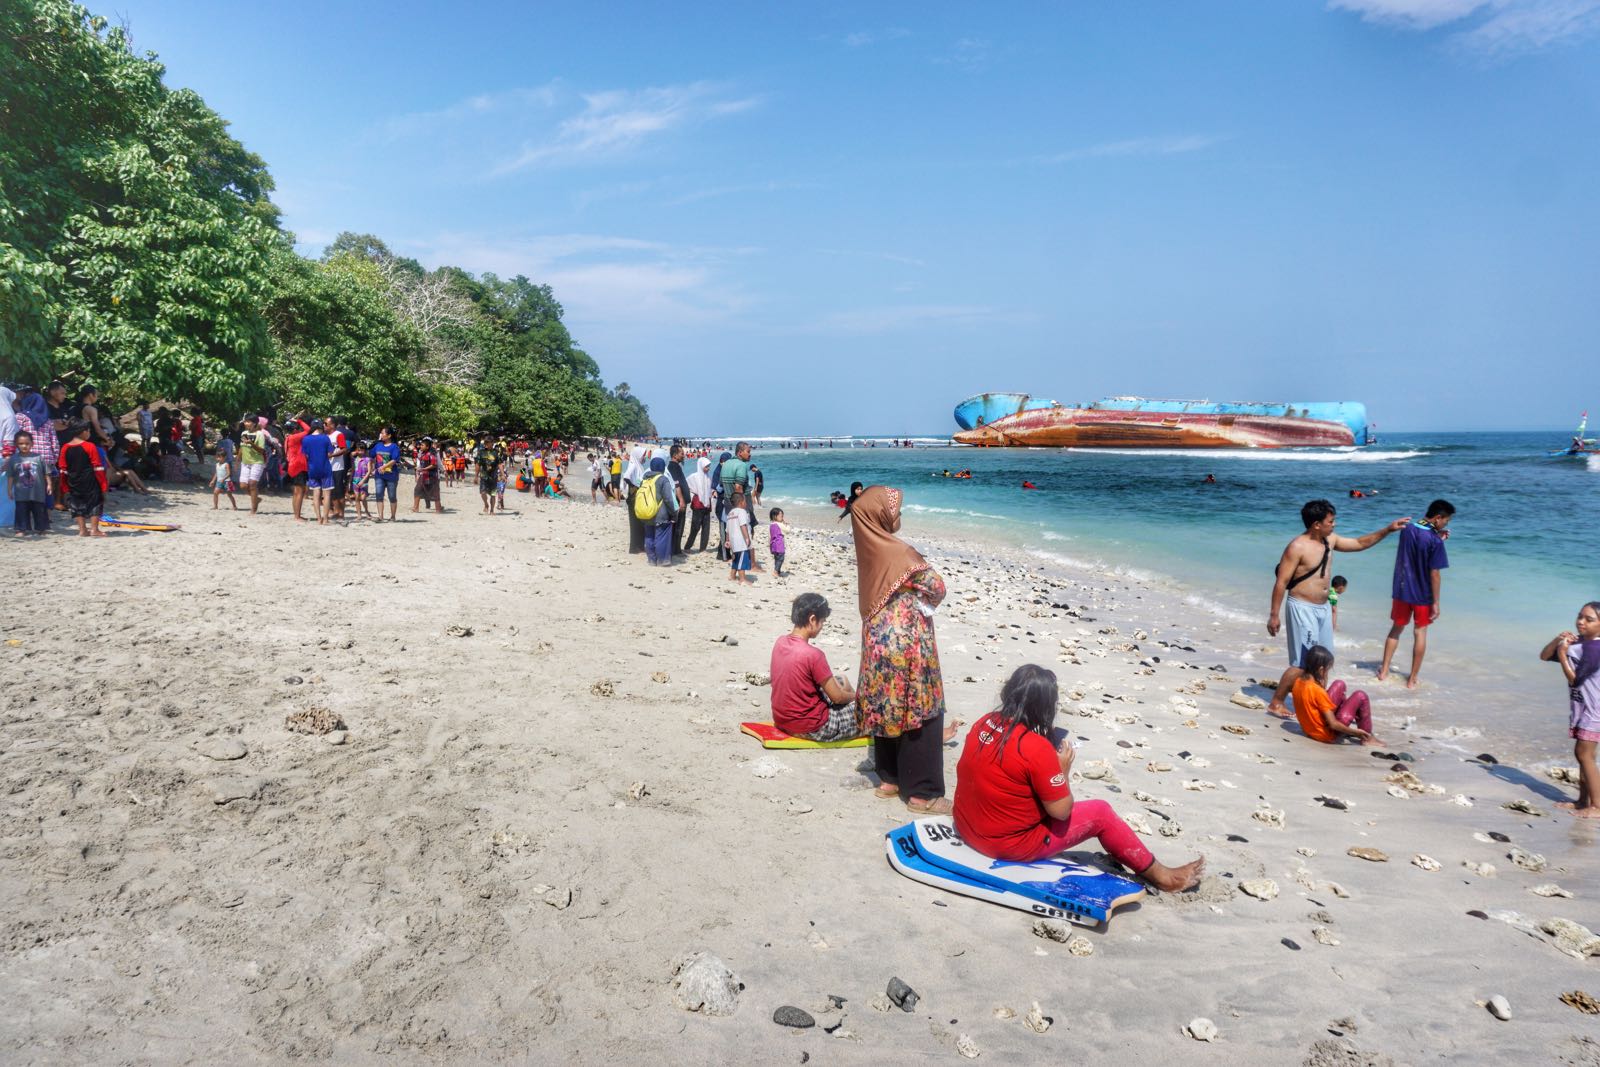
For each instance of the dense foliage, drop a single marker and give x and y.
(139, 248)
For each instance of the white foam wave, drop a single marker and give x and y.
(930, 509)
(1594, 463)
(1335, 455)
(1099, 565)
(1211, 607)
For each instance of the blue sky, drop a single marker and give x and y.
(819, 218)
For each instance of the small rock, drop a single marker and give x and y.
(1371, 855)
(457, 630)
(881, 1002)
(1427, 863)
(799, 807)
(1201, 1029)
(559, 898)
(1052, 930)
(1036, 1020)
(638, 791)
(336, 737)
(1260, 888)
(1233, 728)
(1499, 1007)
(1575, 940)
(702, 982)
(1290, 944)
(753, 678)
(789, 1015)
(228, 790)
(1522, 806)
(1482, 870)
(1269, 816)
(293, 679)
(222, 748)
(603, 688)
(1528, 861)
(1484, 757)
(1496, 835)
(1003, 1013)
(967, 1047)
(902, 995)
(313, 721)
(660, 676)
(1324, 936)
(1550, 889)
(1079, 945)
(1582, 1001)
(1335, 803)
(1245, 700)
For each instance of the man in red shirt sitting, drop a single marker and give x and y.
(808, 700)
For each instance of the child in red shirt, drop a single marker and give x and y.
(1012, 798)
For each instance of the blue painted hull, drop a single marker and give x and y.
(1125, 421)
(985, 408)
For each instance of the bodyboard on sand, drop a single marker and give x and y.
(121, 524)
(772, 737)
(930, 851)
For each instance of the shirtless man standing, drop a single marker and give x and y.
(1302, 579)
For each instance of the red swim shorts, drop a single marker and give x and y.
(1403, 613)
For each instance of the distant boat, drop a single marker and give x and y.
(1581, 446)
(1026, 421)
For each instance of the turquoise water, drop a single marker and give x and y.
(1521, 550)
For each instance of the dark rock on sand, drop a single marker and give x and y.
(1484, 757)
(789, 1015)
(1335, 803)
(1289, 944)
(1476, 914)
(902, 995)
(1498, 836)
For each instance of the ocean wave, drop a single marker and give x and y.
(1347, 455)
(1594, 463)
(931, 509)
(1211, 607)
(1078, 563)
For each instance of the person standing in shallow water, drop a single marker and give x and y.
(1300, 588)
(1418, 562)
(901, 692)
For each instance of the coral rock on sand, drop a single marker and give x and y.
(1371, 855)
(1201, 1029)
(1522, 806)
(1482, 870)
(703, 983)
(1550, 889)
(1427, 863)
(1260, 888)
(1570, 937)
(1036, 1020)
(313, 721)
(1052, 930)
(1528, 861)
(1582, 1001)
(967, 1047)
(1245, 700)
(1269, 816)
(1324, 936)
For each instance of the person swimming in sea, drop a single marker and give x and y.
(1210, 479)
(1029, 485)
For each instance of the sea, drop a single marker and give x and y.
(1521, 556)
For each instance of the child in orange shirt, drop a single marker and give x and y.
(1326, 712)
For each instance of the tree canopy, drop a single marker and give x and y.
(140, 249)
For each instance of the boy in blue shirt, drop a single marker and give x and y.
(1417, 563)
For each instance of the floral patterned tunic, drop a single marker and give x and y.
(900, 687)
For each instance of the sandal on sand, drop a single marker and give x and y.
(936, 806)
(892, 791)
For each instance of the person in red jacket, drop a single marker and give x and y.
(298, 428)
(1012, 797)
(83, 479)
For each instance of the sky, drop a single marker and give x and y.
(815, 218)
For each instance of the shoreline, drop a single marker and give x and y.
(541, 801)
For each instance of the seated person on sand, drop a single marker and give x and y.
(1325, 712)
(1013, 801)
(809, 701)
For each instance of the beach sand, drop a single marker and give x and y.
(527, 825)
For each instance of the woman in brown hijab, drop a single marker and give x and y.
(900, 693)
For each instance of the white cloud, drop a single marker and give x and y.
(969, 53)
(603, 281)
(616, 120)
(420, 122)
(863, 38)
(1491, 26)
(1135, 146)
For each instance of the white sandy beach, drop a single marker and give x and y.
(525, 827)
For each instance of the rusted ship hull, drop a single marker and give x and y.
(1064, 427)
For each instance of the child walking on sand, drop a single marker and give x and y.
(738, 538)
(222, 480)
(1325, 711)
(1578, 655)
(776, 543)
(363, 475)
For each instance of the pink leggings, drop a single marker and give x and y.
(1094, 818)
(1353, 710)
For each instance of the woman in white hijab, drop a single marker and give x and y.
(632, 478)
(700, 505)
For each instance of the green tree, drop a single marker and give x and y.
(134, 231)
(340, 349)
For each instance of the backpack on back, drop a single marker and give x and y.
(647, 501)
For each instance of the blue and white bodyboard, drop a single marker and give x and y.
(1060, 887)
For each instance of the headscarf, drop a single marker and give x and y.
(8, 416)
(883, 561)
(700, 481)
(716, 475)
(658, 466)
(634, 474)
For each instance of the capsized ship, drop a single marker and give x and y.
(1026, 421)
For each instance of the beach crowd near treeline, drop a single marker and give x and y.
(1015, 800)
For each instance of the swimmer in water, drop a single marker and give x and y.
(1029, 485)
(1210, 479)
